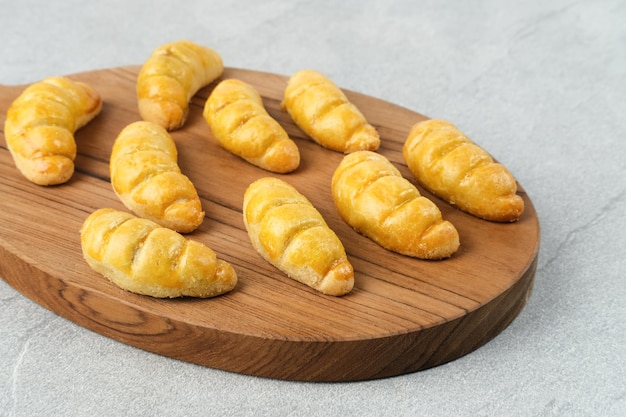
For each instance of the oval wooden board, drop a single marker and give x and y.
(403, 315)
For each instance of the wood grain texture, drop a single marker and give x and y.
(404, 314)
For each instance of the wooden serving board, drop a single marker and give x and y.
(404, 314)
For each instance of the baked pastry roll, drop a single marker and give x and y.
(451, 166)
(325, 114)
(374, 199)
(40, 126)
(170, 77)
(146, 177)
(140, 256)
(240, 123)
(289, 232)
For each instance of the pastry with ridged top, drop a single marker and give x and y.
(450, 165)
(142, 257)
(168, 79)
(40, 127)
(146, 177)
(240, 123)
(374, 198)
(288, 231)
(323, 112)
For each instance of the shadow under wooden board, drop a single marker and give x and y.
(403, 315)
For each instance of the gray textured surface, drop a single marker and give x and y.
(540, 84)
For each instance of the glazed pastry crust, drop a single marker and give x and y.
(325, 114)
(240, 123)
(40, 127)
(140, 256)
(170, 77)
(451, 166)
(146, 177)
(374, 199)
(287, 230)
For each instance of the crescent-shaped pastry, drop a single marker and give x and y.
(240, 123)
(140, 256)
(289, 232)
(374, 199)
(40, 126)
(170, 77)
(451, 166)
(325, 114)
(146, 177)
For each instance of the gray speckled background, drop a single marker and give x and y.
(540, 84)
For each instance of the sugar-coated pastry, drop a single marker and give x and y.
(289, 232)
(325, 114)
(451, 166)
(374, 199)
(170, 77)
(40, 126)
(146, 177)
(140, 256)
(240, 123)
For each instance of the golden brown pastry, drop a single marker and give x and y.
(374, 199)
(146, 177)
(240, 123)
(291, 234)
(451, 166)
(140, 256)
(40, 126)
(170, 77)
(324, 113)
